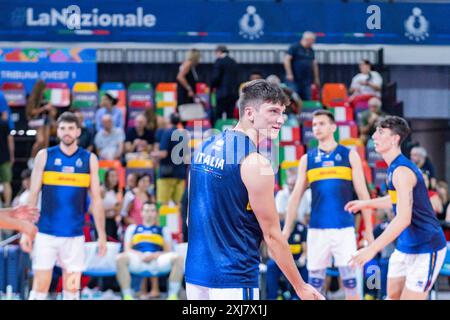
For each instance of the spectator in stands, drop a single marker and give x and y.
(282, 197)
(419, 156)
(225, 83)
(112, 201)
(147, 249)
(108, 106)
(139, 139)
(442, 190)
(109, 140)
(187, 77)
(139, 195)
(86, 138)
(369, 118)
(295, 107)
(130, 184)
(6, 160)
(435, 200)
(366, 84)
(172, 169)
(39, 114)
(22, 197)
(152, 119)
(255, 75)
(301, 67)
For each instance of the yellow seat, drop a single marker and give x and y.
(85, 87)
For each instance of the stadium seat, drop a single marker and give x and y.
(308, 108)
(15, 94)
(140, 98)
(58, 94)
(287, 166)
(290, 135)
(166, 98)
(355, 144)
(342, 114)
(170, 218)
(85, 98)
(346, 130)
(291, 152)
(333, 93)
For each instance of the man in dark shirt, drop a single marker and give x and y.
(139, 138)
(225, 82)
(170, 184)
(301, 66)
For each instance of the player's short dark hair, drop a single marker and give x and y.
(68, 117)
(261, 91)
(326, 113)
(397, 125)
(174, 119)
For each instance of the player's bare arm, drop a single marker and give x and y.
(404, 181)
(260, 184)
(26, 243)
(294, 199)
(360, 186)
(97, 205)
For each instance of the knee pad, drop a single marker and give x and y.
(349, 281)
(316, 278)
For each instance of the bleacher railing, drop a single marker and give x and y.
(264, 56)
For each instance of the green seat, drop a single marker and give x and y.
(309, 104)
(141, 86)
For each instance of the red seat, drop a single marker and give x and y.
(13, 86)
(334, 93)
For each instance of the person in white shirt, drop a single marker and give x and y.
(282, 197)
(366, 84)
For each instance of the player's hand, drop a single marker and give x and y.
(290, 77)
(101, 246)
(361, 257)
(355, 206)
(26, 243)
(307, 292)
(25, 212)
(29, 229)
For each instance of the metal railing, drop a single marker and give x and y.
(263, 56)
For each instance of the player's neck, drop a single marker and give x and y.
(68, 150)
(390, 155)
(328, 145)
(248, 130)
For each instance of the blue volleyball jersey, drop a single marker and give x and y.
(147, 239)
(224, 235)
(65, 184)
(424, 234)
(330, 178)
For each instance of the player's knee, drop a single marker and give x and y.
(316, 278)
(349, 280)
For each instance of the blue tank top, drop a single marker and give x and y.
(224, 235)
(65, 184)
(147, 239)
(330, 178)
(424, 234)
